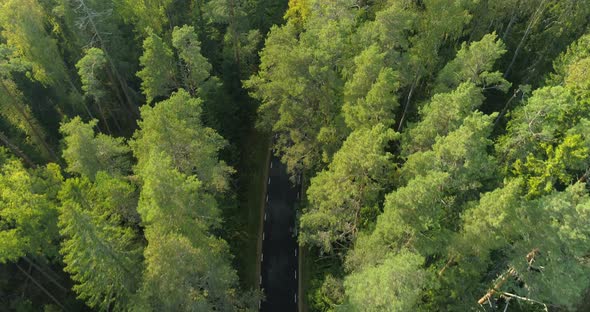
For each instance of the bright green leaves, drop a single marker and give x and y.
(562, 245)
(162, 73)
(343, 198)
(444, 113)
(556, 163)
(187, 267)
(183, 276)
(463, 153)
(575, 53)
(394, 285)
(474, 63)
(87, 153)
(412, 216)
(173, 201)
(577, 79)
(197, 68)
(492, 218)
(101, 256)
(91, 67)
(23, 23)
(10, 62)
(370, 93)
(100, 249)
(300, 86)
(146, 14)
(539, 145)
(28, 214)
(174, 128)
(546, 141)
(542, 241)
(159, 69)
(298, 11)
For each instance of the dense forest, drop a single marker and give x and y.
(443, 145)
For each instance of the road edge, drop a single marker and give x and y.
(262, 207)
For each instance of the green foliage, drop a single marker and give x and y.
(542, 256)
(303, 111)
(370, 93)
(145, 14)
(576, 52)
(102, 257)
(183, 276)
(329, 295)
(412, 221)
(87, 153)
(28, 212)
(444, 113)
(90, 69)
(394, 285)
(187, 268)
(174, 127)
(159, 69)
(343, 198)
(173, 201)
(474, 63)
(23, 23)
(13, 106)
(197, 68)
(546, 142)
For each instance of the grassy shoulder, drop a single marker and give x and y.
(253, 172)
(305, 266)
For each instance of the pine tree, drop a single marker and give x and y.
(102, 257)
(87, 153)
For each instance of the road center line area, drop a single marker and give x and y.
(279, 262)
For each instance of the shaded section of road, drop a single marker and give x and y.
(279, 245)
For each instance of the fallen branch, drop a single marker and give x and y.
(525, 299)
(448, 264)
(530, 257)
(43, 289)
(511, 272)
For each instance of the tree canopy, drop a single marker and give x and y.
(439, 148)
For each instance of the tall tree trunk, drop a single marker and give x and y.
(408, 100)
(15, 150)
(103, 46)
(103, 116)
(532, 22)
(43, 289)
(46, 274)
(32, 126)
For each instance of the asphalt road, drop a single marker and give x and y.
(279, 246)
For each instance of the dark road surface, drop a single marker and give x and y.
(279, 245)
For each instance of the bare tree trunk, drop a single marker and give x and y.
(447, 265)
(525, 299)
(505, 109)
(511, 272)
(15, 150)
(530, 257)
(103, 116)
(534, 19)
(26, 285)
(509, 27)
(47, 275)
(117, 124)
(120, 80)
(33, 127)
(43, 289)
(408, 99)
